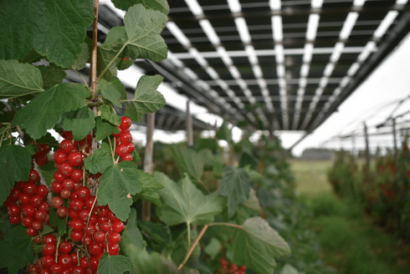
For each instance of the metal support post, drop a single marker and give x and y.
(148, 162)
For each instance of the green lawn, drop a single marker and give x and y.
(349, 241)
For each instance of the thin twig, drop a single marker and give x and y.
(88, 220)
(79, 74)
(94, 50)
(193, 246)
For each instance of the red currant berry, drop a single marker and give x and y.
(56, 269)
(41, 160)
(38, 240)
(117, 135)
(30, 188)
(76, 204)
(113, 249)
(84, 263)
(125, 123)
(83, 214)
(42, 190)
(40, 215)
(47, 261)
(34, 176)
(72, 213)
(122, 150)
(77, 270)
(76, 236)
(15, 194)
(65, 247)
(87, 240)
(76, 224)
(99, 236)
(65, 193)
(44, 207)
(60, 157)
(27, 221)
(95, 249)
(36, 200)
(13, 210)
(74, 257)
(112, 216)
(56, 187)
(65, 260)
(67, 134)
(117, 226)
(131, 147)
(37, 225)
(77, 175)
(15, 220)
(45, 271)
(93, 219)
(91, 229)
(75, 158)
(24, 198)
(66, 169)
(107, 226)
(77, 185)
(62, 212)
(125, 138)
(88, 203)
(66, 146)
(83, 193)
(56, 202)
(94, 263)
(114, 238)
(127, 157)
(74, 195)
(103, 211)
(31, 232)
(42, 149)
(59, 176)
(68, 184)
(50, 239)
(34, 269)
(28, 210)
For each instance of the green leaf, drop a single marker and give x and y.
(157, 232)
(218, 165)
(32, 57)
(59, 223)
(213, 248)
(109, 116)
(32, 149)
(236, 184)
(19, 79)
(116, 183)
(190, 162)
(104, 57)
(116, 83)
(184, 203)
(249, 207)
(51, 76)
(289, 269)
(131, 233)
(15, 165)
(144, 39)
(146, 98)
(16, 250)
(110, 92)
(80, 122)
(152, 196)
(117, 264)
(207, 158)
(48, 171)
(100, 160)
(56, 29)
(82, 57)
(46, 109)
(255, 244)
(224, 133)
(104, 129)
(159, 5)
(254, 175)
(149, 183)
(181, 248)
(209, 143)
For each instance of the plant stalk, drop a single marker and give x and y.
(93, 74)
(193, 245)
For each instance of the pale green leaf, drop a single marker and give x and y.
(207, 158)
(182, 202)
(19, 79)
(149, 183)
(151, 196)
(15, 165)
(56, 29)
(46, 109)
(131, 233)
(82, 57)
(110, 93)
(160, 5)
(289, 269)
(236, 184)
(48, 171)
(104, 57)
(109, 116)
(51, 76)
(213, 248)
(104, 129)
(116, 184)
(80, 122)
(146, 98)
(117, 264)
(255, 244)
(100, 160)
(224, 133)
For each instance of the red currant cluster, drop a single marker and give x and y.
(41, 155)
(124, 140)
(233, 268)
(26, 204)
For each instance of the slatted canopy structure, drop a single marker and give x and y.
(277, 64)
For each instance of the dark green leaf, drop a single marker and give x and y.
(109, 116)
(116, 83)
(104, 57)
(255, 244)
(32, 57)
(114, 264)
(190, 162)
(104, 129)
(32, 149)
(151, 196)
(48, 171)
(218, 165)
(184, 203)
(100, 160)
(207, 158)
(82, 57)
(236, 184)
(247, 159)
(15, 165)
(149, 183)
(16, 250)
(131, 233)
(159, 5)
(46, 109)
(19, 79)
(59, 223)
(116, 184)
(51, 76)
(157, 232)
(146, 98)
(224, 133)
(209, 143)
(110, 93)
(56, 29)
(80, 122)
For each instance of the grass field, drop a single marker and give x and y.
(349, 242)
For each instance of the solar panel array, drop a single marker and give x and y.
(286, 64)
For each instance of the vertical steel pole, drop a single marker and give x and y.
(148, 162)
(366, 140)
(189, 129)
(394, 139)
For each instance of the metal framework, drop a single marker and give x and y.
(286, 63)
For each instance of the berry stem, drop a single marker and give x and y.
(58, 243)
(88, 220)
(111, 148)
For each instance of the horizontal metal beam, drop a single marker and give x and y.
(293, 81)
(276, 98)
